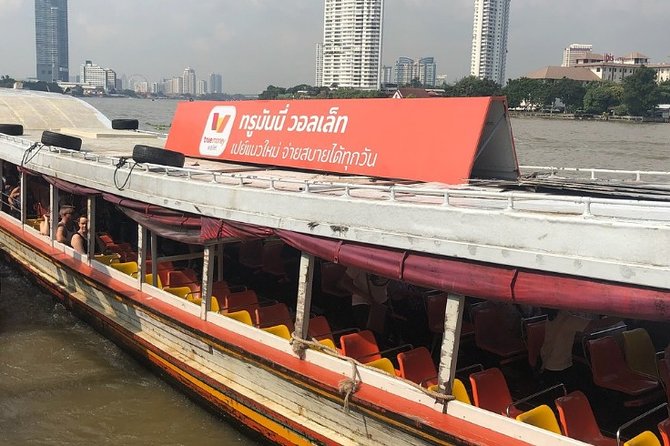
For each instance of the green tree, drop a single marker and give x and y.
(664, 92)
(528, 92)
(600, 97)
(570, 92)
(272, 92)
(472, 86)
(640, 92)
(6, 81)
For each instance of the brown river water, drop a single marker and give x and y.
(62, 383)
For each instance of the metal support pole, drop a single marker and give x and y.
(154, 259)
(24, 196)
(453, 317)
(90, 214)
(54, 213)
(142, 253)
(219, 263)
(207, 279)
(304, 304)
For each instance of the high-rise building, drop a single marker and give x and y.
(201, 87)
(189, 81)
(573, 52)
(352, 43)
(51, 40)
(96, 76)
(489, 40)
(215, 83)
(319, 65)
(408, 70)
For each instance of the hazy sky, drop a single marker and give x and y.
(254, 43)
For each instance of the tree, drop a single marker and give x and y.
(600, 97)
(570, 92)
(272, 92)
(472, 86)
(664, 92)
(640, 92)
(531, 93)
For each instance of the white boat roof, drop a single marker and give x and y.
(612, 239)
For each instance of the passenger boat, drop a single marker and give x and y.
(219, 255)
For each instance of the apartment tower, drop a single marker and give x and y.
(51, 40)
(573, 52)
(351, 51)
(489, 40)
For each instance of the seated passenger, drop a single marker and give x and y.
(79, 239)
(65, 229)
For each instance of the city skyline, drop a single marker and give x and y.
(264, 42)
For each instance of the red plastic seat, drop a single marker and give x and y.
(494, 332)
(361, 346)
(275, 314)
(244, 300)
(417, 366)
(664, 429)
(610, 370)
(578, 421)
(319, 328)
(331, 274)
(490, 392)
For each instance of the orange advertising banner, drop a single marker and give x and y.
(433, 139)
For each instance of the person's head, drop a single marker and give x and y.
(82, 225)
(66, 213)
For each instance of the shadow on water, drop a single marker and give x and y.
(63, 383)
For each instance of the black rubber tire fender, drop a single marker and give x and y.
(60, 140)
(156, 155)
(11, 129)
(125, 124)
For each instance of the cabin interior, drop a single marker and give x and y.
(618, 384)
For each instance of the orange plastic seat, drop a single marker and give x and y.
(664, 429)
(610, 370)
(417, 366)
(361, 346)
(494, 334)
(542, 417)
(275, 314)
(244, 300)
(331, 274)
(319, 329)
(185, 277)
(490, 392)
(578, 421)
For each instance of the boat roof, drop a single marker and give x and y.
(572, 232)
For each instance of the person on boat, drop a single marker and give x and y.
(79, 239)
(65, 229)
(15, 200)
(366, 290)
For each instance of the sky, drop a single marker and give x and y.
(256, 43)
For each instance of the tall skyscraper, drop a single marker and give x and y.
(352, 43)
(408, 70)
(573, 52)
(489, 40)
(51, 40)
(188, 81)
(215, 83)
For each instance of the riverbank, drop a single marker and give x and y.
(585, 117)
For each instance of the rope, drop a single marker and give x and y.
(349, 386)
(122, 162)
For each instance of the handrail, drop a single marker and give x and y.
(638, 173)
(535, 395)
(478, 198)
(635, 420)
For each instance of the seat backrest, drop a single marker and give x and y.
(542, 417)
(180, 291)
(275, 314)
(149, 278)
(664, 429)
(129, 268)
(576, 415)
(640, 352)
(417, 366)
(244, 300)
(361, 346)
(606, 358)
(460, 392)
(279, 330)
(534, 340)
(436, 306)
(240, 316)
(181, 278)
(490, 391)
(319, 328)
(646, 438)
(383, 364)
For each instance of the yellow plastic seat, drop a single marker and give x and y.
(240, 316)
(460, 392)
(279, 330)
(328, 343)
(646, 438)
(181, 291)
(640, 352)
(214, 304)
(34, 222)
(383, 364)
(107, 259)
(542, 417)
(129, 268)
(149, 278)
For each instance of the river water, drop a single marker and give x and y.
(61, 383)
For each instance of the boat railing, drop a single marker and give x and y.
(464, 196)
(596, 173)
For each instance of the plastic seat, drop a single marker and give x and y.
(331, 274)
(180, 278)
(244, 300)
(181, 291)
(611, 372)
(639, 352)
(490, 392)
(578, 421)
(360, 346)
(383, 364)
(460, 392)
(319, 329)
(279, 330)
(251, 254)
(328, 343)
(240, 316)
(542, 417)
(214, 304)
(417, 366)
(129, 268)
(646, 438)
(275, 314)
(107, 259)
(149, 278)
(664, 429)
(494, 332)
